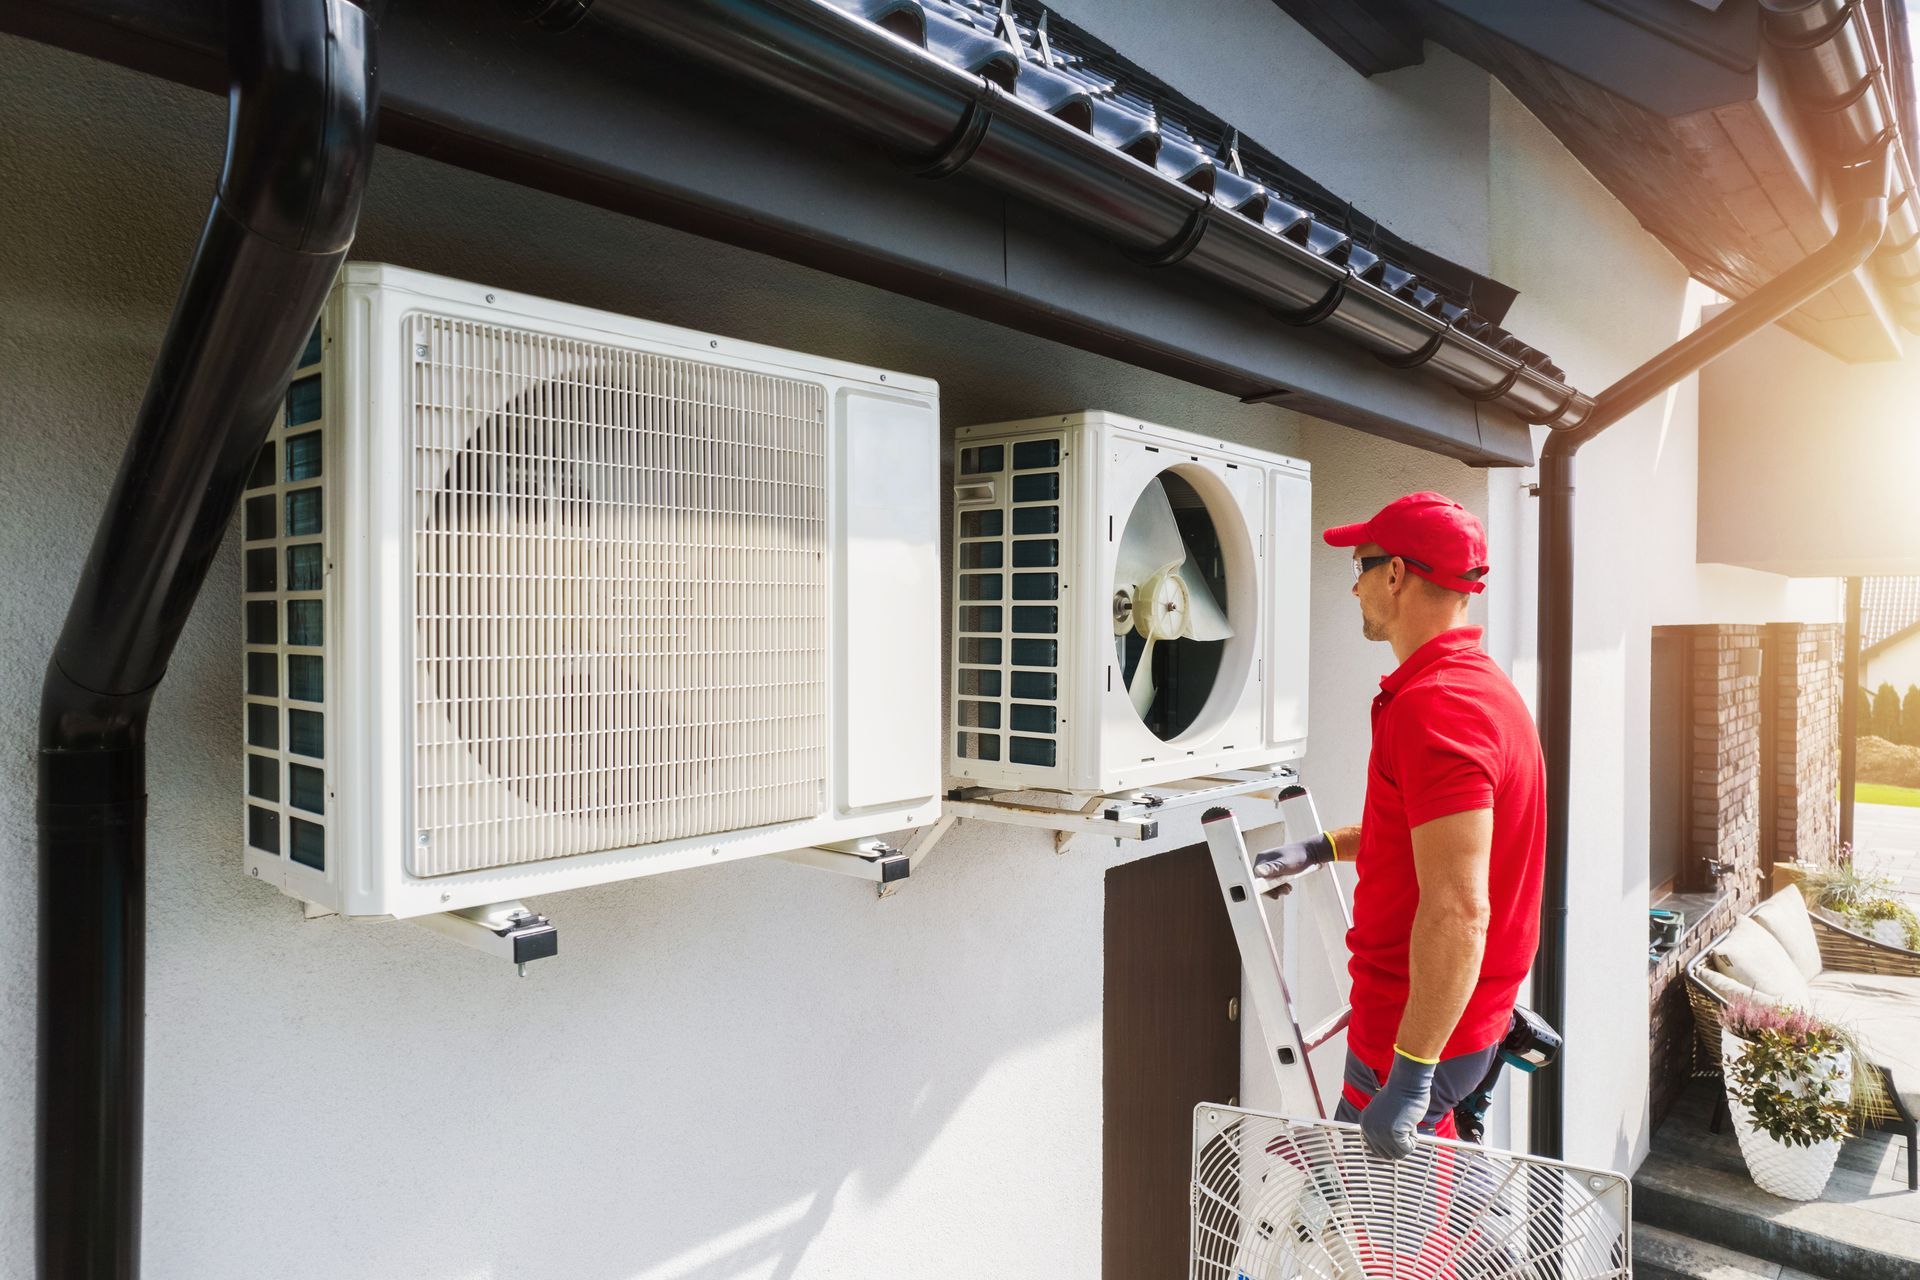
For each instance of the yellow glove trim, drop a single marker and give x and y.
(1414, 1057)
(1332, 845)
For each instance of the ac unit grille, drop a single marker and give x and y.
(283, 528)
(620, 593)
(1007, 605)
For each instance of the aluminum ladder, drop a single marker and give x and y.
(1321, 904)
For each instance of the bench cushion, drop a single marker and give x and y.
(1883, 1010)
(1785, 917)
(1750, 955)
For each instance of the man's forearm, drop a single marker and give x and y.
(1443, 965)
(1346, 842)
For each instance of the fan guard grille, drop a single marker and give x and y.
(621, 597)
(1276, 1199)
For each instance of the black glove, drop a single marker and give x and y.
(1292, 859)
(1393, 1116)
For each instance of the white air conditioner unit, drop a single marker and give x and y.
(539, 597)
(1129, 605)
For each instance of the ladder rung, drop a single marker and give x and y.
(1329, 1029)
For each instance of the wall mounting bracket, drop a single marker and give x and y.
(874, 860)
(508, 930)
(1126, 815)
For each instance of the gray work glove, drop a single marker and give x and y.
(1292, 859)
(1393, 1117)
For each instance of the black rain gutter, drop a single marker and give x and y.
(1862, 189)
(299, 143)
(1842, 81)
(874, 75)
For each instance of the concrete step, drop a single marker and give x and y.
(1666, 1255)
(1720, 1207)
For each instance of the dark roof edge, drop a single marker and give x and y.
(1023, 127)
(1840, 81)
(1479, 293)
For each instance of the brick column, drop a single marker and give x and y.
(1804, 775)
(1726, 758)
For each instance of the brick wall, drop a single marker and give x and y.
(1805, 770)
(1725, 818)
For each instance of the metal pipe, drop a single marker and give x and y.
(873, 78)
(1863, 221)
(300, 139)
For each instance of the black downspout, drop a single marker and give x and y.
(1863, 220)
(299, 143)
(1849, 709)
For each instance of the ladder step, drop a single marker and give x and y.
(1329, 1029)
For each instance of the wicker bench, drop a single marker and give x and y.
(1835, 990)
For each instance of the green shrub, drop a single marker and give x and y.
(1910, 716)
(1886, 713)
(1869, 911)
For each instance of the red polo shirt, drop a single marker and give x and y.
(1450, 734)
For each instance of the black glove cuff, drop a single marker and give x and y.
(1319, 849)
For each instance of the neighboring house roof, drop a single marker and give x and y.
(1889, 610)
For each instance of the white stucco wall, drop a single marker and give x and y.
(1602, 296)
(1810, 460)
(751, 1071)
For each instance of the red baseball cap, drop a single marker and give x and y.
(1439, 539)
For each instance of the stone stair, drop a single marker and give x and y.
(1703, 1217)
(1659, 1254)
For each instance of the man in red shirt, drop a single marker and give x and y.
(1450, 846)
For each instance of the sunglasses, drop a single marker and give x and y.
(1363, 564)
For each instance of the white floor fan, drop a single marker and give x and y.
(1278, 1197)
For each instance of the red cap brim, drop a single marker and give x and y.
(1347, 535)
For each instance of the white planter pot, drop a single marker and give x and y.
(1890, 932)
(1791, 1172)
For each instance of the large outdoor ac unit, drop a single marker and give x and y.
(1129, 605)
(539, 597)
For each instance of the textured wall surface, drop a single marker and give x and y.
(755, 1070)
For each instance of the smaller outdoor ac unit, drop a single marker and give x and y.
(1129, 605)
(539, 597)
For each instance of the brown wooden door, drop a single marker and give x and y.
(1172, 1041)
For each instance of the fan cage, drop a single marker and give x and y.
(621, 597)
(1276, 1198)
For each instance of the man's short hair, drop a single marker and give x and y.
(1472, 575)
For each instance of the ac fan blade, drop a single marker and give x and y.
(1151, 541)
(1206, 620)
(1141, 689)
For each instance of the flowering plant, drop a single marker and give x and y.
(1860, 897)
(1786, 1074)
